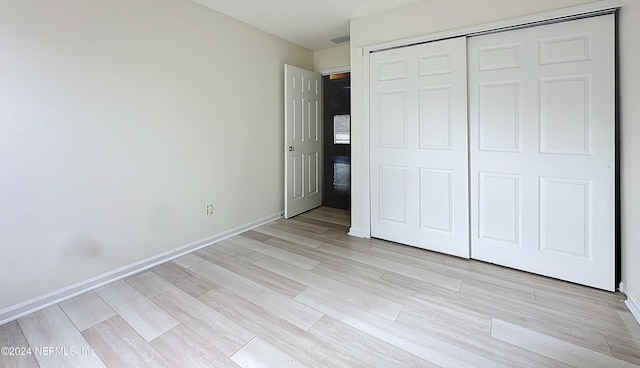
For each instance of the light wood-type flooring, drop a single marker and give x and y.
(302, 293)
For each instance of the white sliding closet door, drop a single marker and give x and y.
(542, 146)
(419, 160)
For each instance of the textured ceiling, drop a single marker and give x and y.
(308, 23)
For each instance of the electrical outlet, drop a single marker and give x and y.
(209, 209)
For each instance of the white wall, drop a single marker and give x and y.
(438, 15)
(334, 57)
(120, 120)
(630, 133)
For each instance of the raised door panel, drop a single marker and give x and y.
(565, 49)
(392, 126)
(436, 200)
(499, 116)
(565, 217)
(312, 173)
(435, 118)
(499, 205)
(501, 56)
(565, 121)
(393, 201)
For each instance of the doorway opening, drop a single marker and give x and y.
(337, 141)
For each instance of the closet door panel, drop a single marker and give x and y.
(419, 148)
(542, 149)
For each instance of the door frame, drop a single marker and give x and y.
(338, 70)
(324, 73)
(553, 16)
(327, 139)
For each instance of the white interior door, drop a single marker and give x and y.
(418, 143)
(303, 140)
(542, 149)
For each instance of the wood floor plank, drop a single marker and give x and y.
(445, 321)
(562, 324)
(488, 287)
(299, 223)
(435, 262)
(259, 353)
(118, 345)
(399, 293)
(294, 238)
(179, 276)
(367, 348)
(426, 346)
(256, 235)
(542, 284)
(328, 258)
(406, 254)
(346, 294)
(11, 336)
(608, 321)
(348, 268)
(245, 268)
(51, 328)
(369, 241)
(247, 258)
(188, 260)
(288, 228)
(275, 252)
(632, 326)
(579, 292)
(440, 304)
(226, 335)
(223, 249)
(410, 271)
(338, 234)
(182, 347)
(336, 216)
(331, 225)
(300, 344)
(627, 349)
(608, 303)
(348, 243)
(552, 347)
(149, 320)
(87, 310)
(579, 327)
(474, 337)
(225, 252)
(281, 305)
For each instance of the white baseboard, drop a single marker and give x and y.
(357, 232)
(633, 306)
(33, 305)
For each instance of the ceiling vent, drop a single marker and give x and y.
(339, 40)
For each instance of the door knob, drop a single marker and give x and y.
(291, 148)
